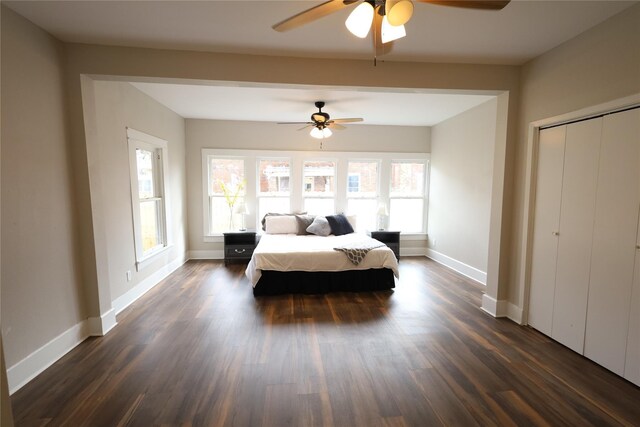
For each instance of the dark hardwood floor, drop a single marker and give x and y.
(199, 350)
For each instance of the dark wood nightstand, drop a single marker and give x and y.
(239, 246)
(389, 238)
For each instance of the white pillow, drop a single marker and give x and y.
(285, 224)
(352, 221)
(320, 226)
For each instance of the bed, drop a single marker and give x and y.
(288, 263)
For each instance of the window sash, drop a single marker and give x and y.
(150, 225)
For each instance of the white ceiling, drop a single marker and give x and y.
(521, 31)
(278, 104)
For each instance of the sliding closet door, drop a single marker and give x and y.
(546, 224)
(577, 212)
(614, 241)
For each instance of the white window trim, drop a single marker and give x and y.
(137, 139)
(297, 158)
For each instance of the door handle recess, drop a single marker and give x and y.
(555, 233)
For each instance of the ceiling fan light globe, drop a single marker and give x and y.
(390, 32)
(326, 133)
(399, 12)
(359, 20)
(316, 133)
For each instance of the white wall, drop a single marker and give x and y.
(118, 105)
(251, 135)
(462, 150)
(42, 289)
(600, 65)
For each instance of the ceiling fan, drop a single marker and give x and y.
(321, 123)
(385, 17)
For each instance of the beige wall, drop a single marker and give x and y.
(598, 66)
(42, 293)
(462, 150)
(118, 105)
(251, 135)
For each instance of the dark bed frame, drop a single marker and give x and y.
(322, 282)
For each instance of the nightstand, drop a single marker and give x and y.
(389, 238)
(239, 246)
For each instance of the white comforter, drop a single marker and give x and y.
(288, 252)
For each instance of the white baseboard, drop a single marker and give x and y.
(207, 254)
(501, 308)
(460, 267)
(28, 368)
(99, 326)
(146, 285)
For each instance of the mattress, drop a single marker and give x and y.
(288, 252)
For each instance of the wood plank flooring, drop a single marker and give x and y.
(199, 350)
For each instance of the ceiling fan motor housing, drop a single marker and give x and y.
(320, 118)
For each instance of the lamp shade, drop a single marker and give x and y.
(320, 133)
(391, 32)
(316, 133)
(359, 20)
(399, 12)
(382, 209)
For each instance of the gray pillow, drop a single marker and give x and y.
(304, 221)
(320, 227)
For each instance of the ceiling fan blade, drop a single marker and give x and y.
(351, 120)
(379, 48)
(310, 15)
(294, 123)
(306, 127)
(336, 126)
(470, 4)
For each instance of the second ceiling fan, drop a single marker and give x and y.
(321, 123)
(386, 18)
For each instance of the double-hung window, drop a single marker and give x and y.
(362, 192)
(407, 196)
(274, 190)
(318, 186)
(226, 190)
(147, 159)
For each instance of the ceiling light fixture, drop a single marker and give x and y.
(359, 20)
(398, 12)
(389, 33)
(319, 133)
(394, 15)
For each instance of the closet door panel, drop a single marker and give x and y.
(577, 212)
(614, 241)
(632, 359)
(546, 223)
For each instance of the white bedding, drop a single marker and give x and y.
(288, 252)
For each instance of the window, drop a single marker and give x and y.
(226, 190)
(362, 192)
(407, 196)
(273, 186)
(319, 186)
(147, 164)
(294, 181)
